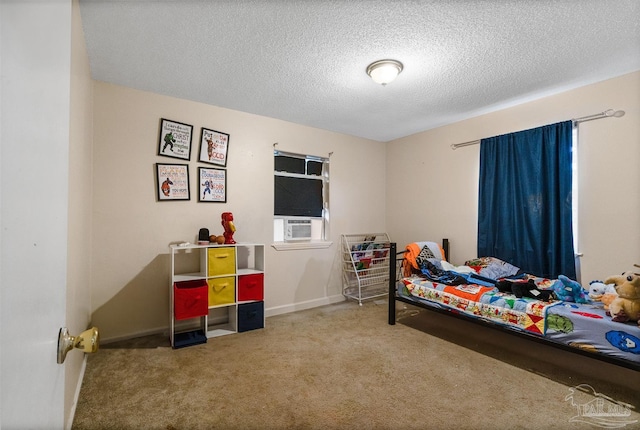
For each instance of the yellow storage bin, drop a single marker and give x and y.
(222, 291)
(221, 261)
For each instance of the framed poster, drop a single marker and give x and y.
(175, 139)
(213, 147)
(213, 185)
(172, 182)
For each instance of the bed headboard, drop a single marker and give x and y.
(445, 247)
(395, 262)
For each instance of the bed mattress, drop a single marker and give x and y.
(583, 326)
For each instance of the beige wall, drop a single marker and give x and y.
(132, 232)
(432, 189)
(79, 215)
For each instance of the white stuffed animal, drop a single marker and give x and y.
(601, 292)
(598, 288)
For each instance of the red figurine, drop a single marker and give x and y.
(229, 228)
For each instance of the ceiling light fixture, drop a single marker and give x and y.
(384, 71)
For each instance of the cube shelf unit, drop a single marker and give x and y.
(365, 265)
(215, 290)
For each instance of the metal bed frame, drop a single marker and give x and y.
(396, 259)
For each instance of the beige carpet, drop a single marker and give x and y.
(343, 367)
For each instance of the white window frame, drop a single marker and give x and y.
(575, 191)
(319, 225)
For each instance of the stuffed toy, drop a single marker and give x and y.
(525, 289)
(601, 292)
(569, 290)
(626, 307)
(607, 299)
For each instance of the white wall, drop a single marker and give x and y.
(432, 189)
(132, 232)
(79, 221)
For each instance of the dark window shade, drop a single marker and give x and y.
(314, 168)
(289, 164)
(298, 197)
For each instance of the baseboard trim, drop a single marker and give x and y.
(159, 330)
(76, 396)
(269, 312)
(300, 306)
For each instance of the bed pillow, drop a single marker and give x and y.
(425, 254)
(418, 252)
(492, 267)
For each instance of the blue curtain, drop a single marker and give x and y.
(524, 210)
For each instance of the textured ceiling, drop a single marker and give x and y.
(304, 61)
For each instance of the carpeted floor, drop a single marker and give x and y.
(342, 367)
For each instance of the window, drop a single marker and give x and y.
(301, 196)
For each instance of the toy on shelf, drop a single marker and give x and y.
(216, 239)
(229, 228)
(203, 236)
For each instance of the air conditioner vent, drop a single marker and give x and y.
(297, 229)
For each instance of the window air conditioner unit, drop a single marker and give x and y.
(297, 229)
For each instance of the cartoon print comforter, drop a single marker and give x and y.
(588, 327)
(483, 302)
(584, 326)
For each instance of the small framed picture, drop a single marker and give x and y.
(175, 139)
(213, 147)
(172, 182)
(213, 185)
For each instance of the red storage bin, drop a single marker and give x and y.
(190, 299)
(251, 287)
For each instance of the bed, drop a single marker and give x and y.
(421, 275)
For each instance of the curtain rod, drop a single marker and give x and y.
(606, 114)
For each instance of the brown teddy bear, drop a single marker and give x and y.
(626, 307)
